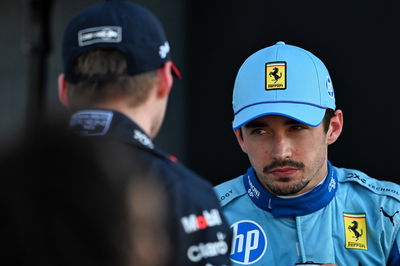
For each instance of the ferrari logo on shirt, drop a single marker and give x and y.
(355, 227)
(275, 76)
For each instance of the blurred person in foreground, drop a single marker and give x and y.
(65, 201)
(117, 78)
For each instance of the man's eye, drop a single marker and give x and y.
(297, 127)
(258, 131)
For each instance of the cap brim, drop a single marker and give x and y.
(175, 71)
(307, 114)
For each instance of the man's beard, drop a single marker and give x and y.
(284, 188)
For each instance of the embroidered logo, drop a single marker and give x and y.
(253, 191)
(194, 223)
(164, 50)
(103, 34)
(249, 242)
(329, 87)
(355, 226)
(201, 251)
(142, 138)
(91, 122)
(390, 217)
(332, 185)
(275, 76)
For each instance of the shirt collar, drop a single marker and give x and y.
(100, 122)
(310, 202)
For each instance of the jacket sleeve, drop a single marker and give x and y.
(199, 232)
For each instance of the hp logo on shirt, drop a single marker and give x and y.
(249, 242)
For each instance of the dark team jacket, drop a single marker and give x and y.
(199, 232)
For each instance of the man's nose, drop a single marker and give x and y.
(281, 147)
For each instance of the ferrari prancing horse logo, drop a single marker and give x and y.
(355, 226)
(275, 76)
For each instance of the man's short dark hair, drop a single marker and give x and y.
(102, 77)
(329, 113)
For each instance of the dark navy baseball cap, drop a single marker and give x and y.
(124, 26)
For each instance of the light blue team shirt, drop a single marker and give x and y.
(349, 219)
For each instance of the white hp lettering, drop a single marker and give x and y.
(251, 245)
(252, 238)
(237, 241)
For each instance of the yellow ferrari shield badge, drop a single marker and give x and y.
(355, 227)
(275, 76)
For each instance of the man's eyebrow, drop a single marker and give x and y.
(292, 122)
(253, 124)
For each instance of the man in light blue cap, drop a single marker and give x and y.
(292, 207)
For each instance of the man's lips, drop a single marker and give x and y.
(283, 171)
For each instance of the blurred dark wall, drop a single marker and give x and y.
(357, 40)
(15, 85)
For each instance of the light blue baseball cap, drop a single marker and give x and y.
(282, 80)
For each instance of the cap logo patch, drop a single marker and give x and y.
(104, 34)
(164, 50)
(329, 87)
(275, 76)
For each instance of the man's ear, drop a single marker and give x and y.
(165, 80)
(335, 126)
(62, 90)
(239, 136)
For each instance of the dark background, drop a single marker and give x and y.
(357, 40)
